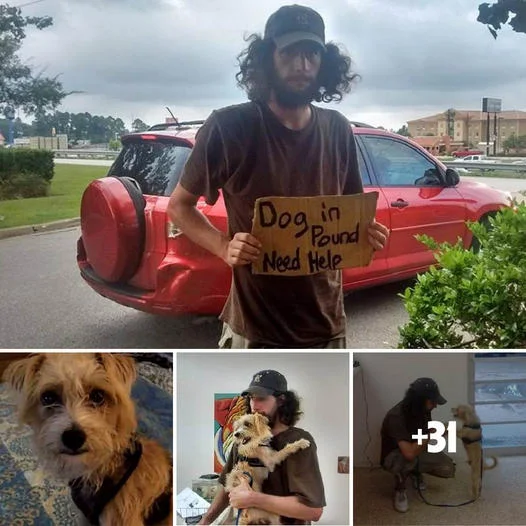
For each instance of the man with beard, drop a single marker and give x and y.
(278, 144)
(294, 490)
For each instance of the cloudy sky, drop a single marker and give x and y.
(131, 58)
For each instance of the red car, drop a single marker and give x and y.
(131, 253)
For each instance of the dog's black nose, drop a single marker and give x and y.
(73, 438)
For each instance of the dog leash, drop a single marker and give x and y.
(250, 481)
(449, 505)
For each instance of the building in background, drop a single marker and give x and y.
(468, 129)
(58, 142)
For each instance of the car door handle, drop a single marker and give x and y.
(399, 203)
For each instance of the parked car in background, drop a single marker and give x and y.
(479, 158)
(130, 252)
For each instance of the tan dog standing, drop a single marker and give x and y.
(80, 409)
(471, 435)
(256, 460)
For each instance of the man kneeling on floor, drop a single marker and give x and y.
(401, 455)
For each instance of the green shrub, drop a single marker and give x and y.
(472, 300)
(14, 161)
(23, 185)
(115, 145)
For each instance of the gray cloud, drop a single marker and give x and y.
(137, 56)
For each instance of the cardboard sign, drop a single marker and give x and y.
(307, 235)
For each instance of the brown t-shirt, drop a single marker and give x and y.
(248, 153)
(398, 426)
(298, 475)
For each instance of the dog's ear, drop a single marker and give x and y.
(118, 365)
(21, 373)
(261, 423)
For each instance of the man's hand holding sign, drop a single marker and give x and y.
(307, 235)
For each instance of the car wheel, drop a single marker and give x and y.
(475, 243)
(113, 227)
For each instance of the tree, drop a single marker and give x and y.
(139, 126)
(20, 87)
(515, 143)
(499, 13)
(80, 126)
(21, 129)
(404, 130)
(450, 116)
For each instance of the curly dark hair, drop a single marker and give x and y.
(414, 404)
(256, 69)
(288, 411)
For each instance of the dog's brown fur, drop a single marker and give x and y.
(109, 427)
(469, 417)
(252, 435)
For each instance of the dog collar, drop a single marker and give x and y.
(161, 507)
(91, 503)
(470, 441)
(473, 426)
(252, 461)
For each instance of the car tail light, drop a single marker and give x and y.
(148, 137)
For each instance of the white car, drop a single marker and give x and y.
(474, 159)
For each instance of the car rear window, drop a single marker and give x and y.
(155, 164)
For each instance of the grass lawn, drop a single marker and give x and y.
(63, 201)
(516, 174)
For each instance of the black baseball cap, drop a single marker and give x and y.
(265, 383)
(428, 388)
(295, 23)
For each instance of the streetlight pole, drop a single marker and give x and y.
(487, 134)
(495, 134)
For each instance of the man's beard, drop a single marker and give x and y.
(271, 419)
(292, 99)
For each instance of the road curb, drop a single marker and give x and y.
(36, 229)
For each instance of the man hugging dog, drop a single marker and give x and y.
(294, 490)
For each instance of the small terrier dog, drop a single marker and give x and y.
(471, 435)
(83, 419)
(256, 460)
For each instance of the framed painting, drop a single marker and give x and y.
(227, 409)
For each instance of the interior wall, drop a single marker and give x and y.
(381, 381)
(320, 379)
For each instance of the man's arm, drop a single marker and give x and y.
(184, 214)
(243, 496)
(286, 507)
(411, 450)
(242, 249)
(216, 508)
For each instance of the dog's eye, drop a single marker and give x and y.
(248, 424)
(49, 398)
(97, 397)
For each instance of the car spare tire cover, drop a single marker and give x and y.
(113, 227)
